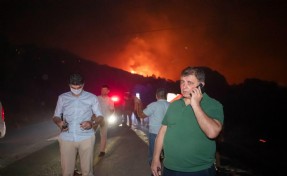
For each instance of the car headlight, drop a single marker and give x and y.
(112, 119)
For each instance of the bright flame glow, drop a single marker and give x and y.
(138, 57)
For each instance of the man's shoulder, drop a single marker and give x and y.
(89, 93)
(159, 103)
(162, 101)
(209, 99)
(65, 94)
(100, 97)
(177, 101)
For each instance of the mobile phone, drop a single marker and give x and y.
(201, 88)
(65, 126)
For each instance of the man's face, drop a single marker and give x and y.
(76, 89)
(105, 91)
(187, 83)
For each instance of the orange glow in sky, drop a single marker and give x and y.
(141, 57)
(161, 38)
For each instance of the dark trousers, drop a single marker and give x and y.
(207, 172)
(127, 115)
(137, 118)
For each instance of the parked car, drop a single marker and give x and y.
(2, 122)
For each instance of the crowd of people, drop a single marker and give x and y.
(185, 130)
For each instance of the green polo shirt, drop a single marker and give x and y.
(186, 147)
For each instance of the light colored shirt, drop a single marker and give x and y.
(107, 105)
(76, 110)
(156, 111)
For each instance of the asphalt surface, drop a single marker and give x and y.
(21, 142)
(126, 155)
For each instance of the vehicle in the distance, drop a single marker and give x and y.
(114, 120)
(2, 122)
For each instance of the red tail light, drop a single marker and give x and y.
(115, 99)
(3, 113)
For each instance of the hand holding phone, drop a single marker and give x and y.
(201, 87)
(65, 123)
(159, 171)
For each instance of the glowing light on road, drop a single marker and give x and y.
(262, 140)
(112, 119)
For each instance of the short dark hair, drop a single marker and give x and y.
(76, 79)
(105, 86)
(161, 93)
(196, 71)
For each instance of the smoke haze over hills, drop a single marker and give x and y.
(241, 39)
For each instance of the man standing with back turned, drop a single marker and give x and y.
(74, 116)
(155, 111)
(188, 130)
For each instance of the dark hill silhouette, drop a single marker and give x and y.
(34, 77)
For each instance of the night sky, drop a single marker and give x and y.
(238, 38)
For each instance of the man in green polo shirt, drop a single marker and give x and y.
(189, 129)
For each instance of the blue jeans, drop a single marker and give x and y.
(151, 140)
(207, 172)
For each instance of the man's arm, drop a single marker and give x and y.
(97, 117)
(211, 127)
(60, 123)
(93, 123)
(111, 106)
(139, 109)
(141, 114)
(97, 120)
(56, 118)
(156, 165)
